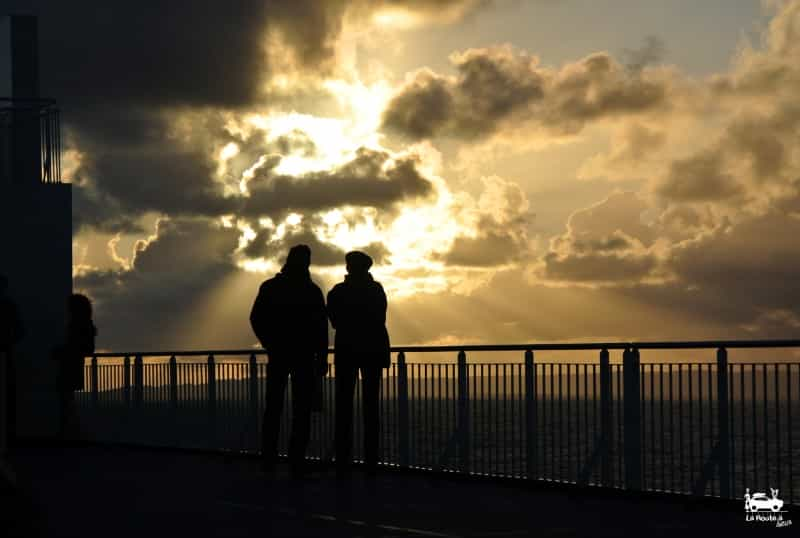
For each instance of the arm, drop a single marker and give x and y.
(258, 316)
(333, 307)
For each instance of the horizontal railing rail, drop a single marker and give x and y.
(697, 427)
(578, 346)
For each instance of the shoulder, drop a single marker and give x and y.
(336, 290)
(270, 284)
(314, 287)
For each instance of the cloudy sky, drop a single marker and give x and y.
(521, 170)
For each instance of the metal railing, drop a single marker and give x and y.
(712, 427)
(16, 113)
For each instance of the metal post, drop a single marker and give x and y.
(138, 381)
(212, 384)
(173, 382)
(126, 379)
(606, 428)
(94, 381)
(724, 426)
(253, 397)
(463, 413)
(530, 416)
(402, 402)
(632, 420)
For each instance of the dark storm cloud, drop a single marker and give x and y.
(598, 268)
(604, 244)
(169, 276)
(370, 179)
(699, 178)
(118, 70)
(171, 53)
(488, 249)
(494, 87)
(490, 86)
(322, 252)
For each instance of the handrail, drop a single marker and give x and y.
(702, 344)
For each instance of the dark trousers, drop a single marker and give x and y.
(278, 371)
(346, 375)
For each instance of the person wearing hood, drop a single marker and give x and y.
(290, 321)
(357, 310)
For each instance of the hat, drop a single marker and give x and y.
(299, 257)
(357, 261)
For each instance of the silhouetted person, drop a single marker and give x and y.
(357, 310)
(289, 319)
(11, 332)
(78, 344)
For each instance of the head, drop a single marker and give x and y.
(357, 262)
(298, 259)
(79, 307)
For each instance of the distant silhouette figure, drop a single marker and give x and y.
(289, 319)
(357, 310)
(11, 332)
(78, 344)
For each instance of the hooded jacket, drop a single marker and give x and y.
(288, 315)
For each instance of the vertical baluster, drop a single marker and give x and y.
(402, 401)
(789, 428)
(463, 412)
(126, 380)
(691, 426)
(680, 428)
(753, 418)
(173, 382)
(506, 429)
(211, 385)
(632, 432)
(138, 381)
(732, 425)
(568, 459)
(530, 416)
(766, 422)
(252, 392)
(711, 423)
(723, 424)
(606, 471)
(95, 381)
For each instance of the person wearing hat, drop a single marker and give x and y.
(357, 310)
(289, 319)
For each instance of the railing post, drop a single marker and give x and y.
(403, 434)
(632, 434)
(94, 381)
(253, 398)
(212, 385)
(126, 380)
(530, 416)
(138, 381)
(463, 412)
(724, 425)
(173, 382)
(606, 428)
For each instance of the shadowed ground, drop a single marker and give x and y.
(125, 492)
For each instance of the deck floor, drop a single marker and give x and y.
(114, 492)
